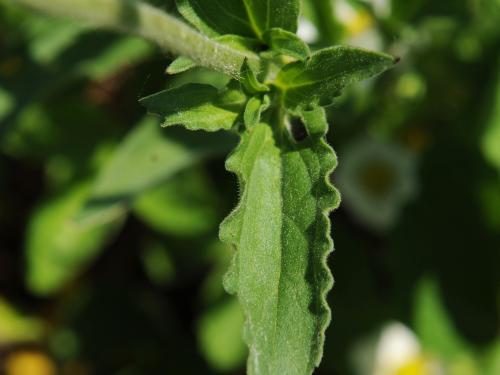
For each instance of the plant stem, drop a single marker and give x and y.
(151, 23)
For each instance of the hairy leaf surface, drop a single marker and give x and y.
(282, 238)
(328, 71)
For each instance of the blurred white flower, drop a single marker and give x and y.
(396, 347)
(382, 8)
(307, 31)
(359, 26)
(376, 178)
(395, 350)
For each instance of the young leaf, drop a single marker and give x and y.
(282, 237)
(255, 106)
(267, 14)
(217, 17)
(249, 81)
(287, 43)
(328, 71)
(197, 106)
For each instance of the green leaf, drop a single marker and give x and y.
(249, 18)
(328, 71)
(287, 43)
(267, 14)
(58, 246)
(197, 106)
(253, 111)
(216, 17)
(180, 64)
(148, 157)
(282, 237)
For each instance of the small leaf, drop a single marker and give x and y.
(287, 43)
(267, 14)
(255, 106)
(328, 71)
(197, 106)
(282, 237)
(249, 81)
(180, 64)
(217, 17)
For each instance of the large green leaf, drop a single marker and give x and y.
(328, 71)
(282, 237)
(197, 106)
(217, 17)
(250, 18)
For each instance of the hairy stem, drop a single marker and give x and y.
(151, 23)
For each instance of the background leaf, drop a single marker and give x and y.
(148, 157)
(57, 246)
(184, 205)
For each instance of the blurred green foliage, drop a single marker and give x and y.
(109, 257)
